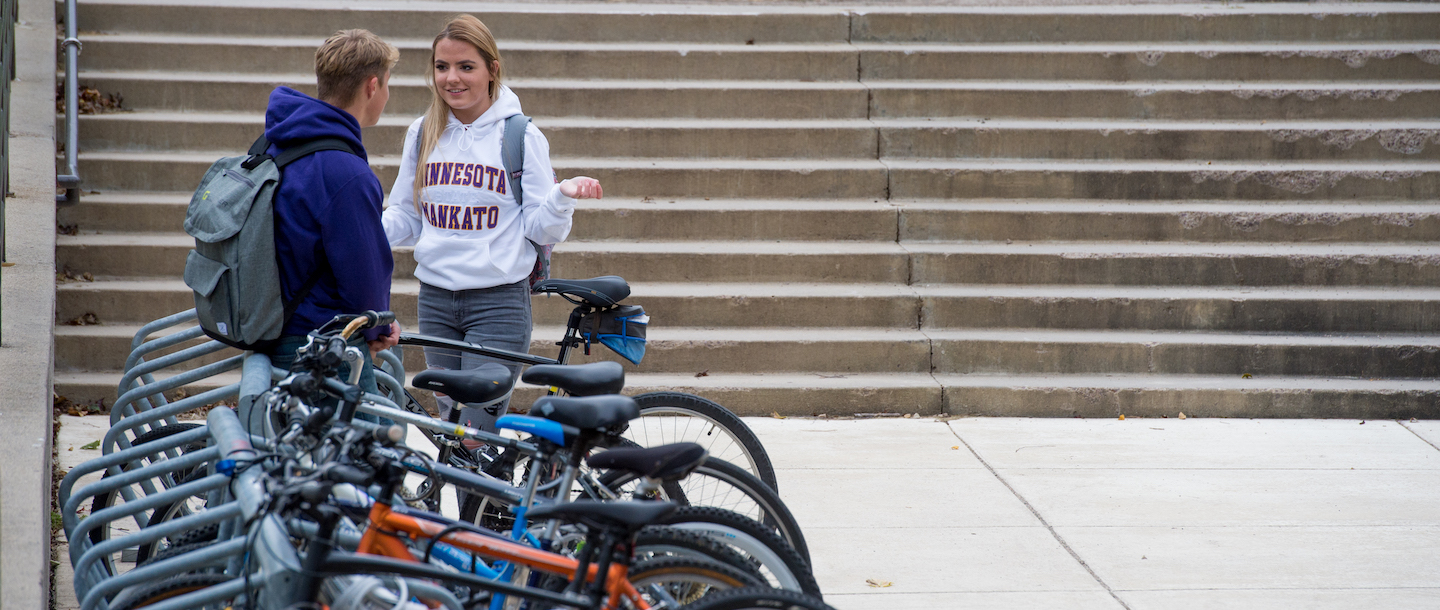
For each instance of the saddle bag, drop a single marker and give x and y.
(620, 328)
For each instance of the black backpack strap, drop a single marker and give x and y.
(293, 304)
(313, 146)
(512, 155)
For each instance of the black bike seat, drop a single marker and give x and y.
(630, 515)
(489, 381)
(595, 413)
(591, 379)
(666, 462)
(603, 291)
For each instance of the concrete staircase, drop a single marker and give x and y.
(1226, 210)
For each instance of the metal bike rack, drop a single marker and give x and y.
(226, 481)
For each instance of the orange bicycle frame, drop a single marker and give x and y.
(382, 537)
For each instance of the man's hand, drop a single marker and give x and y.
(386, 341)
(581, 187)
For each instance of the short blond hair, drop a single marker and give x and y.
(348, 59)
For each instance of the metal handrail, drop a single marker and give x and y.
(9, 14)
(70, 180)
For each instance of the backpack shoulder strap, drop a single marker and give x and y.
(512, 153)
(313, 146)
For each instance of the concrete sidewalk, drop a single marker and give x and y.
(1089, 513)
(1141, 513)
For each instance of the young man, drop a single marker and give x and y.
(327, 209)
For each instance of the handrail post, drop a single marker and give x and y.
(70, 180)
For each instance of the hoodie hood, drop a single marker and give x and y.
(505, 106)
(293, 117)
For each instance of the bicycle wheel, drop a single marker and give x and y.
(127, 558)
(673, 417)
(759, 598)
(781, 565)
(147, 594)
(725, 485)
(661, 541)
(685, 579)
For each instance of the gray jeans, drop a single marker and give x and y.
(494, 317)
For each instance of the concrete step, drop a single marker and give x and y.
(1196, 396)
(973, 220)
(850, 138)
(889, 178)
(763, 24)
(777, 305)
(533, 22)
(611, 218)
(409, 96)
(990, 395)
(1161, 180)
(1169, 221)
(676, 138)
(118, 255)
(675, 350)
(669, 349)
(1177, 100)
(680, 304)
(1003, 138)
(115, 255)
(1038, 351)
(1148, 61)
(526, 60)
(636, 177)
(750, 395)
(1210, 308)
(832, 61)
(757, 99)
(1174, 264)
(1258, 22)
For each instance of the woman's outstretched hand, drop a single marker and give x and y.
(581, 187)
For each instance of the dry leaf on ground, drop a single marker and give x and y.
(776, 415)
(878, 583)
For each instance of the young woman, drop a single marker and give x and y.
(452, 200)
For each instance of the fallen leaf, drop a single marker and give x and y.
(72, 448)
(91, 446)
(1122, 417)
(954, 448)
(1246, 376)
(878, 583)
(1182, 415)
(704, 373)
(776, 415)
(1362, 422)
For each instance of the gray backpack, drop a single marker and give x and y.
(232, 269)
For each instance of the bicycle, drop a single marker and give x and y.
(679, 417)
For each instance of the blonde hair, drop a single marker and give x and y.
(347, 60)
(469, 30)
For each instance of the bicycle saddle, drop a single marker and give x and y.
(591, 379)
(595, 413)
(603, 291)
(666, 462)
(488, 382)
(630, 515)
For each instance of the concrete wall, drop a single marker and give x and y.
(27, 316)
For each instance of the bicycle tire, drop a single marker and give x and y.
(726, 526)
(687, 579)
(661, 541)
(106, 500)
(725, 485)
(741, 446)
(146, 594)
(759, 598)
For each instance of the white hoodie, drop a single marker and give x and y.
(472, 234)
